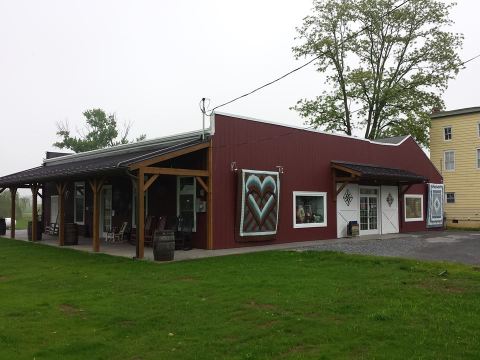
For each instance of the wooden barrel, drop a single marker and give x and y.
(3, 226)
(39, 231)
(71, 234)
(164, 245)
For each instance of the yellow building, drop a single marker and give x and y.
(455, 151)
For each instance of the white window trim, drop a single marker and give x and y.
(451, 133)
(194, 229)
(54, 198)
(414, 196)
(313, 194)
(75, 202)
(445, 162)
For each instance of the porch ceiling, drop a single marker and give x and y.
(374, 172)
(71, 166)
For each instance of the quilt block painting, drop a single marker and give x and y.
(259, 195)
(435, 205)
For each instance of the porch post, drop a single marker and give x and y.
(13, 193)
(34, 189)
(61, 213)
(141, 213)
(210, 198)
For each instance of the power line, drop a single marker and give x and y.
(471, 59)
(355, 34)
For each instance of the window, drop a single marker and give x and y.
(478, 158)
(309, 209)
(447, 133)
(186, 199)
(413, 207)
(478, 129)
(79, 208)
(450, 196)
(449, 159)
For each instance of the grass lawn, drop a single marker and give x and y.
(22, 223)
(65, 304)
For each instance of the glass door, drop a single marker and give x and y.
(369, 211)
(186, 199)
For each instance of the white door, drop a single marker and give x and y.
(389, 209)
(54, 209)
(369, 210)
(347, 208)
(106, 210)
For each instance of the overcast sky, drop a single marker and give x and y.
(151, 62)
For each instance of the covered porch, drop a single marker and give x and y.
(124, 249)
(377, 198)
(130, 187)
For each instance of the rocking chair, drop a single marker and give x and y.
(183, 235)
(150, 225)
(52, 228)
(116, 237)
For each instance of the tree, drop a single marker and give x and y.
(101, 131)
(386, 65)
(6, 205)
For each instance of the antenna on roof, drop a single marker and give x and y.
(203, 109)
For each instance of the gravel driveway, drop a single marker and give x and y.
(456, 246)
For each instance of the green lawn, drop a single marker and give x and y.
(64, 304)
(22, 223)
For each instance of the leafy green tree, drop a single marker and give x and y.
(386, 63)
(101, 131)
(6, 203)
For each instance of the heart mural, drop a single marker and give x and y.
(263, 193)
(259, 203)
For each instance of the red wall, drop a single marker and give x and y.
(305, 157)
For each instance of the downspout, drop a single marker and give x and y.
(133, 177)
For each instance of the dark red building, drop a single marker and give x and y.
(243, 182)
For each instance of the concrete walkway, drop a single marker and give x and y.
(127, 250)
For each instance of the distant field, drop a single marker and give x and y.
(22, 223)
(65, 304)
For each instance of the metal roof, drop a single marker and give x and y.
(464, 111)
(392, 140)
(100, 161)
(370, 172)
